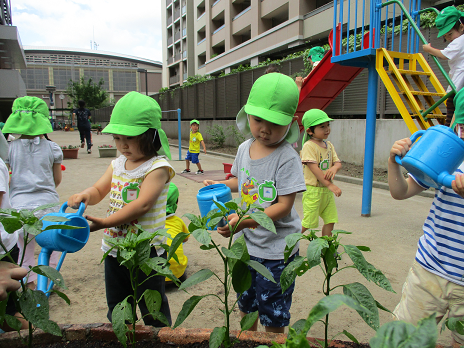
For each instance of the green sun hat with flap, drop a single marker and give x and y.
(311, 118)
(173, 196)
(447, 19)
(316, 53)
(274, 98)
(195, 121)
(29, 117)
(133, 115)
(459, 108)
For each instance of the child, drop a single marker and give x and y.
(136, 127)
(35, 164)
(175, 225)
(434, 283)
(194, 147)
(315, 55)
(83, 125)
(450, 25)
(8, 269)
(320, 164)
(268, 159)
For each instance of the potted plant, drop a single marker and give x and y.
(70, 151)
(107, 151)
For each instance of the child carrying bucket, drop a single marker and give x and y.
(268, 172)
(35, 163)
(138, 184)
(434, 284)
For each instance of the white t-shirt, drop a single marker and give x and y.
(455, 54)
(8, 240)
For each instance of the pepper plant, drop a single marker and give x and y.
(236, 261)
(324, 252)
(32, 305)
(133, 252)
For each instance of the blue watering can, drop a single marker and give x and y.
(66, 241)
(213, 193)
(434, 157)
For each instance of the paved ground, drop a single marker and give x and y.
(391, 232)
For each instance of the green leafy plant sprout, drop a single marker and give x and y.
(236, 261)
(31, 304)
(133, 252)
(323, 252)
(217, 135)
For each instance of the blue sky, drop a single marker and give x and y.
(126, 27)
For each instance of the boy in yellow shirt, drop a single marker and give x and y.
(194, 147)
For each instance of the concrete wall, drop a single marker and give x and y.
(346, 135)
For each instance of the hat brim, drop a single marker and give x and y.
(445, 29)
(122, 129)
(269, 115)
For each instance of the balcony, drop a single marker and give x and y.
(177, 57)
(170, 60)
(201, 41)
(169, 21)
(218, 29)
(184, 54)
(174, 79)
(214, 3)
(185, 76)
(184, 10)
(168, 2)
(241, 13)
(169, 41)
(176, 14)
(184, 32)
(177, 36)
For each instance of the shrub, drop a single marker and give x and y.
(217, 135)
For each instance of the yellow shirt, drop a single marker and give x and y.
(324, 157)
(175, 225)
(194, 143)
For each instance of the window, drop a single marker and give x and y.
(124, 80)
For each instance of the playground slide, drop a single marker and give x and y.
(324, 83)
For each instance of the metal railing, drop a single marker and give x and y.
(174, 79)
(5, 12)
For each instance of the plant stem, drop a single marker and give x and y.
(326, 293)
(134, 307)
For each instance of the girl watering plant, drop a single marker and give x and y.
(138, 184)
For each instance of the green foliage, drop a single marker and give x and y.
(133, 252)
(31, 304)
(324, 251)
(92, 93)
(216, 135)
(236, 265)
(236, 135)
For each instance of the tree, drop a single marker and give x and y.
(92, 93)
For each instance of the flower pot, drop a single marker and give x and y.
(108, 151)
(70, 153)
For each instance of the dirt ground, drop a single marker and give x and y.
(391, 232)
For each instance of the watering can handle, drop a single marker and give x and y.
(413, 140)
(80, 211)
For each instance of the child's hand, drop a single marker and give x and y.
(400, 148)
(10, 274)
(96, 223)
(330, 173)
(210, 182)
(299, 81)
(458, 185)
(225, 231)
(427, 47)
(75, 200)
(335, 189)
(204, 150)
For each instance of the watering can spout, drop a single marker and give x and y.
(446, 179)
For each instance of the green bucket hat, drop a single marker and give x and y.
(459, 108)
(173, 195)
(446, 19)
(29, 117)
(316, 53)
(194, 121)
(133, 115)
(274, 98)
(311, 118)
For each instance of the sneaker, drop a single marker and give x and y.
(82, 145)
(185, 171)
(199, 172)
(89, 151)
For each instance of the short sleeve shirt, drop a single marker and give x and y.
(324, 157)
(8, 240)
(194, 143)
(455, 54)
(261, 181)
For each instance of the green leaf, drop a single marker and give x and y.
(196, 278)
(231, 205)
(142, 252)
(240, 244)
(264, 221)
(214, 221)
(33, 229)
(54, 218)
(62, 295)
(51, 274)
(220, 207)
(330, 258)
(59, 227)
(194, 219)
(178, 240)
(122, 312)
(187, 308)
(369, 272)
(202, 236)
(361, 294)
(248, 320)
(45, 206)
(152, 300)
(363, 248)
(455, 324)
(217, 337)
(13, 322)
(350, 336)
(295, 268)
(241, 277)
(379, 306)
(399, 334)
(261, 270)
(314, 251)
(299, 325)
(11, 225)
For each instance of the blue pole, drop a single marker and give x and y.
(179, 134)
(371, 113)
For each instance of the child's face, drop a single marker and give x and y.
(321, 131)
(129, 147)
(267, 133)
(194, 127)
(453, 34)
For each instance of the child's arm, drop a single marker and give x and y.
(94, 194)
(150, 190)
(314, 167)
(400, 188)
(330, 173)
(433, 51)
(57, 173)
(232, 183)
(204, 146)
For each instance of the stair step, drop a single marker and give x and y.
(429, 116)
(410, 72)
(431, 94)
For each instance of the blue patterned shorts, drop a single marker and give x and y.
(266, 297)
(192, 157)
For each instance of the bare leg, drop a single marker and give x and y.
(187, 164)
(255, 325)
(327, 229)
(199, 166)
